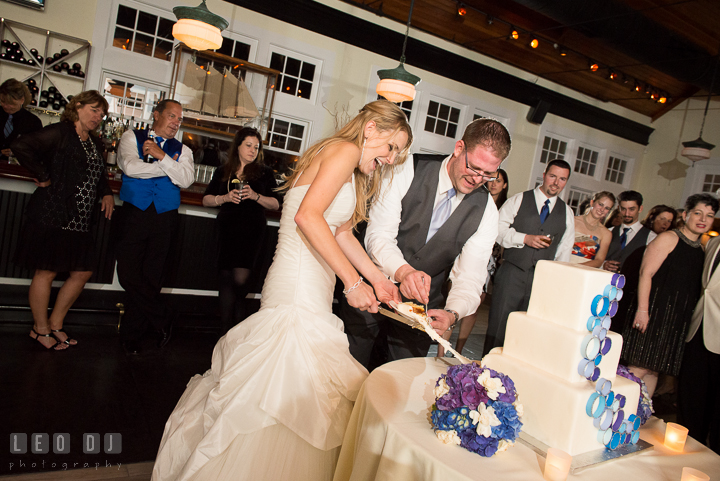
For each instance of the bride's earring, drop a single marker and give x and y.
(362, 152)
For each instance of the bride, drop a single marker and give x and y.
(277, 399)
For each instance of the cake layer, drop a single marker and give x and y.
(562, 293)
(554, 409)
(554, 349)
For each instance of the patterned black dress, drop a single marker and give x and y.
(56, 233)
(676, 288)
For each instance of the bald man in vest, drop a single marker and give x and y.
(154, 171)
(534, 225)
(433, 219)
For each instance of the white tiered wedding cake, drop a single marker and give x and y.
(563, 358)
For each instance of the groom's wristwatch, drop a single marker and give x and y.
(456, 316)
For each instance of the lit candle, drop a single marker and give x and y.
(675, 436)
(690, 474)
(557, 465)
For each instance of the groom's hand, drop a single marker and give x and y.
(442, 320)
(387, 292)
(414, 284)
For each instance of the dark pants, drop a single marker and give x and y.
(142, 251)
(511, 292)
(699, 392)
(375, 339)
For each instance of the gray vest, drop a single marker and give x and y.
(615, 253)
(527, 220)
(437, 256)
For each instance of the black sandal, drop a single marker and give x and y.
(66, 341)
(37, 338)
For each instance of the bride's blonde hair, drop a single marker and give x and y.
(387, 117)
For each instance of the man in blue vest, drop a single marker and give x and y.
(534, 225)
(433, 220)
(154, 171)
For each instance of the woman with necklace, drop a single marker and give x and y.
(69, 170)
(242, 188)
(669, 287)
(592, 238)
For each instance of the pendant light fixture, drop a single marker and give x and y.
(698, 149)
(199, 28)
(397, 84)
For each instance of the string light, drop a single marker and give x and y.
(594, 67)
(461, 10)
(534, 43)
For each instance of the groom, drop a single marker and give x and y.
(431, 220)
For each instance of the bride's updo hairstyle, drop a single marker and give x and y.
(387, 117)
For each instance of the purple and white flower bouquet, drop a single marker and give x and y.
(476, 408)
(645, 406)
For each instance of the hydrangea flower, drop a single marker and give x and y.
(477, 408)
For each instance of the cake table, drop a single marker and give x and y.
(389, 437)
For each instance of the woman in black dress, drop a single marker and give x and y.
(241, 220)
(69, 170)
(669, 287)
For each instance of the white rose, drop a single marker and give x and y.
(448, 437)
(486, 421)
(504, 446)
(519, 408)
(493, 385)
(441, 389)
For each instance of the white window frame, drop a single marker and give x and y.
(246, 40)
(306, 124)
(304, 58)
(584, 194)
(145, 9)
(452, 105)
(599, 164)
(489, 115)
(139, 82)
(627, 175)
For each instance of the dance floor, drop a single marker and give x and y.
(95, 388)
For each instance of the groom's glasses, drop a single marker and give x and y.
(486, 176)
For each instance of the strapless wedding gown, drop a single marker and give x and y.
(277, 399)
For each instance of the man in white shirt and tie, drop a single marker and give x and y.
(630, 235)
(534, 225)
(432, 220)
(154, 171)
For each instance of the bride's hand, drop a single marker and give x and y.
(386, 291)
(363, 298)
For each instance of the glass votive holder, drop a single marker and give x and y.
(675, 437)
(690, 474)
(557, 465)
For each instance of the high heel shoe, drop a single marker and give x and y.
(66, 341)
(54, 347)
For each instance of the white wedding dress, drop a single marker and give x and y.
(277, 399)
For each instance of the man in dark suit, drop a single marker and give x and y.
(432, 219)
(534, 225)
(14, 119)
(630, 235)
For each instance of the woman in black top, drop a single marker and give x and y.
(69, 170)
(241, 220)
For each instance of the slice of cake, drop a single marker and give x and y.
(563, 359)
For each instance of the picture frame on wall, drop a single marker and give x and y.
(36, 4)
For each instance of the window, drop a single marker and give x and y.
(404, 106)
(616, 170)
(130, 99)
(234, 48)
(575, 198)
(442, 119)
(143, 33)
(286, 135)
(553, 149)
(297, 75)
(711, 183)
(586, 161)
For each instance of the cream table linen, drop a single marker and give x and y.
(390, 438)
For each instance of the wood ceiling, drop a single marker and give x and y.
(669, 46)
